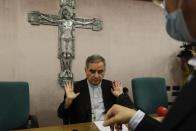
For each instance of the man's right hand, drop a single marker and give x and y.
(70, 94)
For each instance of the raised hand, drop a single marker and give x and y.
(70, 94)
(69, 89)
(117, 89)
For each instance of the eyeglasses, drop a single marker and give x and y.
(158, 3)
(98, 71)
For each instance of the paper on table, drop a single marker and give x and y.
(99, 124)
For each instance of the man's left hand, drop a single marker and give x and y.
(117, 89)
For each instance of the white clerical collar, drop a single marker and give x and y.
(93, 86)
(192, 62)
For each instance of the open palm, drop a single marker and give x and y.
(69, 88)
(117, 88)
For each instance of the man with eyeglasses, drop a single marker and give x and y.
(180, 25)
(89, 99)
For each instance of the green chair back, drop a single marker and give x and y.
(14, 104)
(149, 93)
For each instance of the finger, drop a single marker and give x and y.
(119, 84)
(77, 94)
(72, 86)
(118, 126)
(110, 121)
(113, 83)
(112, 128)
(116, 83)
(109, 118)
(112, 90)
(109, 113)
(67, 84)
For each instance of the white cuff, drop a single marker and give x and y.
(136, 119)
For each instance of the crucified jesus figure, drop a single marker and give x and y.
(67, 23)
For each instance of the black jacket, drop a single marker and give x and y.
(80, 109)
(181, 116)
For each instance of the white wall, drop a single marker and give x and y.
(133, 41)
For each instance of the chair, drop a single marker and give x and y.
(149, 93)
(14, 106)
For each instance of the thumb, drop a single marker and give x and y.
(110, 121)
(77, 94)
(112, 90)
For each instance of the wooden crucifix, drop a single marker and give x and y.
(66, 22)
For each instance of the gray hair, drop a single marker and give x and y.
(95, 59)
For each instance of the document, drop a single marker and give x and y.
(100, 126)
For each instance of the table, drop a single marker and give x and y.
(89, 126)
(155, 116)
